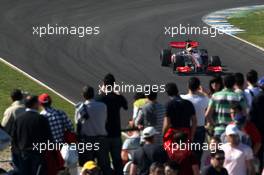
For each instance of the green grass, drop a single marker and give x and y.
(10, 79)
(252, 23)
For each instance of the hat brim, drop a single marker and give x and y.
(152, 135)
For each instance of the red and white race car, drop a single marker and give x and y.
(190, 59)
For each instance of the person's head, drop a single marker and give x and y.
(235, 109)
(88, 92)
(152, 96)
(216, 84)
(171, 89)
(32, 102)
(232, 134)
(236, 113)
(109, 81)
(194, 84)
(252, 77)
(156, 169)
(16, 95)
(45, 100)
(214, 143)
(139, 95)
(240, 81)
(148, 134)
(229, 81)
(91, 168)
(171, 168)
(217, 158)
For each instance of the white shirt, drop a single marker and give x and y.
(248, 94)
(236, 157)
(200, 103)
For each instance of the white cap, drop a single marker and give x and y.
(149, 132)
(232, 130)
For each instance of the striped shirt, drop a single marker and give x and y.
(156, 110)
(221, 103)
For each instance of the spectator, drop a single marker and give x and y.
(178, 150)
(59, 123)
(114, 103)
(10, 115)
(139, 101)
(200, 103)
(179, 113)
(30, 129)
(218, 112)
(243, 137)
(238, 157)
(215, 85)
(239, 85)
(130, 144)
(91, 117)
(213, 145)
(171, 168)
(246, 127)
(12, 112)
(217, 162)
(90, 168)
(156, 169)
(252, 90)
(58, 120)
(152, 114)
(256, 116)
(149, 153)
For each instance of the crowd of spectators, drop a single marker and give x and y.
(228, 118)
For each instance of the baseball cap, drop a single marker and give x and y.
(261, 81)
(149, 132)
(44, 98)
(89, 165)
(232, 130)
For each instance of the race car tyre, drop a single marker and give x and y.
(165, 57)
(215, 61)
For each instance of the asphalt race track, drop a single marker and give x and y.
(131, 37)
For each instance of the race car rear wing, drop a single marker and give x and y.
(182, 45)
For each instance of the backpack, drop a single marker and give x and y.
(151, 116)
(148, 118)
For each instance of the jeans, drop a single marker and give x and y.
(101, 154)
(31, 163)
(114, 148)
(199, 138)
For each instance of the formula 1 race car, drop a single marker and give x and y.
(190, 59)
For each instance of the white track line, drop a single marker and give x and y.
(36, 80)
(226, 14)
(245, 41)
